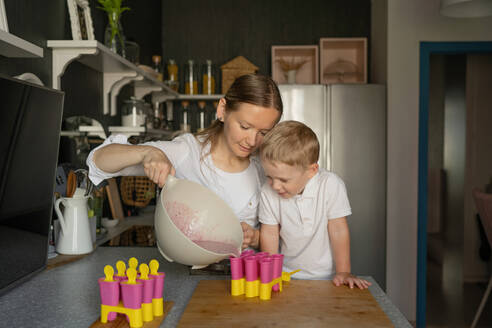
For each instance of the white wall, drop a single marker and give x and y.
(410, 22)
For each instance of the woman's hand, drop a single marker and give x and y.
(346, 278)
(251, 237)
(157, 166)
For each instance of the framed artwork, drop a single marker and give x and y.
(3, 17)
(80, 19)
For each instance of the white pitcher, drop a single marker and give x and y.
(75, 235)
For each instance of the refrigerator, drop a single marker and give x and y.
(350, 123)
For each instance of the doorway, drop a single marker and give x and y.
(443, 181)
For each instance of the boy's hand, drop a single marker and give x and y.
(250, 236)
(346, 278)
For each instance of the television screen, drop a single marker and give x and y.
(30, 121)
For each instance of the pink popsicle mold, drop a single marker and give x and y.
(251, 268)
(278, 260)
(110, 295)
(132, 294)
(266, 270)
(158, 284)
(237, 271)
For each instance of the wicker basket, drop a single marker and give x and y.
(137, 191)
(234, 69)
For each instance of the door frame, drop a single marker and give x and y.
(426, 50)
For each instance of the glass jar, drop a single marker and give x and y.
(208, 78)
(133, 112)
(201, 116)
(191, 78)
(172, 75)
(157, 66)
(185, 116)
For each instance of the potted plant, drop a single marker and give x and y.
(114, 38)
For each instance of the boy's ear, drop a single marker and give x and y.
(313, 169)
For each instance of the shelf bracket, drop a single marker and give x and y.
(109, 79)
(64, 56)
(142, 89)
(116, 87)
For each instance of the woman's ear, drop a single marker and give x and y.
(221, 109)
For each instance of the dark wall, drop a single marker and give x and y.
(222, 29)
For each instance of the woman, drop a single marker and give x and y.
(220, 157)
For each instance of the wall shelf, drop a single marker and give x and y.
(116, 70)
(14, 47)
(161, 97)
(128, 131)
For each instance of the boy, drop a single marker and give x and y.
(304, 207)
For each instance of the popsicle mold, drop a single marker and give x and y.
(256, 275)
(131, 296)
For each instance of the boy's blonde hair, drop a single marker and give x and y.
(292, 143)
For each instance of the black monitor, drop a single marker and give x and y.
(30, 122)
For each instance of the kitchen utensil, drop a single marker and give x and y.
(203, 218)
(71, 183)
(75, 235)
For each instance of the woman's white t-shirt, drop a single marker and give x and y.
(239, 190)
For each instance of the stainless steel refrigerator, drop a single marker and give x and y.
(350, 122)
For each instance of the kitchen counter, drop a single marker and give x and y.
(68, 295)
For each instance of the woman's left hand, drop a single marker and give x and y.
(250, 236)
(346, 278)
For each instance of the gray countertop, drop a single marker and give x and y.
(68, 296)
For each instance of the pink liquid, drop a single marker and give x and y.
(193, 226)
(218, 247)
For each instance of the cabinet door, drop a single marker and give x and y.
(358, 156)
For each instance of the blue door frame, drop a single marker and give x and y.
(426, 49)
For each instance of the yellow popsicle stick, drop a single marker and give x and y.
(144, 271)
(154, 266)
(131, 273)
(108, 272)
(121, 267)
(133, 263)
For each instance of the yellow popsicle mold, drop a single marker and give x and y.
(121, 268)
(108, 272)
(154, 267)
(131, 273)
(148, 312)
(257, 288)
(158, 306)
(135, 315)
(237, 287)
(144, 271)
(133, 263)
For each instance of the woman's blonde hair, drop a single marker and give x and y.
(254, 89)
(292, 143)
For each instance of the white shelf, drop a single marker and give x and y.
(117, 71)
(15, 47)
(160, 97)
(125, 130)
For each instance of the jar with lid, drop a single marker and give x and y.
(202, 116)
(185, 116)
(191, 78)
(208, 78)
(172, 75)
(157, 66)
(133, 112)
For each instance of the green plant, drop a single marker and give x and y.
(114, 10)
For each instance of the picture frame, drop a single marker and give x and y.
(80, 20)
(3, 17)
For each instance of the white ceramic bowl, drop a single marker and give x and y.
(217, 220)
(107, 223)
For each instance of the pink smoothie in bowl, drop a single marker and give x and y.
(193, 225)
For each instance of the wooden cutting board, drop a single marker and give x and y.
(302, 303)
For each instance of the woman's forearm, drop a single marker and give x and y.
(115, 157)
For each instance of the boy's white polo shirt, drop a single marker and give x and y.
(303, 221)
